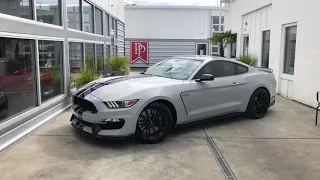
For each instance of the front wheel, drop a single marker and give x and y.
(258, 104)
(154, 123)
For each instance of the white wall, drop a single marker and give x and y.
(114, 7)
(168, 22)
(301, 86)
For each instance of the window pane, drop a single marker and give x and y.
(265, 49)
(75, 57)
(107, 25)
(215, 28)
(74, 14)
(215, 49)
(116, 28)
(89, 52)
(222, 69)
(246, 46)
(17, 77)
(112, 45)
(48, 11)
(99, 56)
(107, 51)
(112, 23)
(87, 17)
(240, 69)
(215, 20)
(22, 8)
(51, 76)
(98, 22)
(234, 46)
(290, 49)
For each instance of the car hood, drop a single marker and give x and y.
(116, 88)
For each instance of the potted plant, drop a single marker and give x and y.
(86, 74)
(117, 65)
(249, 59)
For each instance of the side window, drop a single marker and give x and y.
(217, 69)
(240, 69)
(207, 69)
(223, 69)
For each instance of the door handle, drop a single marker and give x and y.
(235, 83)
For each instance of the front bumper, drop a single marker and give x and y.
(97, 130)
(272, 101)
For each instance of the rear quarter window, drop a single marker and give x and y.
(240, 69)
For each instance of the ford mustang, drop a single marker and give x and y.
(174, 92)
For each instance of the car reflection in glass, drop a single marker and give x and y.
(4, 105)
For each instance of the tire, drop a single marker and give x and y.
(154, 123)
(258, 104)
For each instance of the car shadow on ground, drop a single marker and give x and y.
(75, 141)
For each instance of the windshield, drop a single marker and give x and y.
(174, 68)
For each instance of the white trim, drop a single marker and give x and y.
(53, 100)
(38, 79)
(49, 25)
(18, 19)
(29, 36)
(287, 77)
(84, 41)
(283, 42)
(29, 112)
(87, 33)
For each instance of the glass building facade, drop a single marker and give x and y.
(42, 47)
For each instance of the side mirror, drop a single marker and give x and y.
(205, 77)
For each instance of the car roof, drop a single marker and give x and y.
(204, 58)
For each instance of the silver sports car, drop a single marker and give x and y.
(174, 92)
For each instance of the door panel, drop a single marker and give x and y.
(227, 95)
(201, 100)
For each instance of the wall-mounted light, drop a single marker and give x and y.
(246, 24)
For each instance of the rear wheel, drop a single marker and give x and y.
(154, 123)
(258, 104)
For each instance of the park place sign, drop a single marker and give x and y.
(139, 51)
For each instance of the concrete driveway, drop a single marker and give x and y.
(283, 145)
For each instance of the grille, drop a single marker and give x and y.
(84, 104)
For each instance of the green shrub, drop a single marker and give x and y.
(118, 63)
(86, 74)
(250, 59)
(99, 64)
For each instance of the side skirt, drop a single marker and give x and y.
(208, 119)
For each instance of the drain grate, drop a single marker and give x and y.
(220, 159)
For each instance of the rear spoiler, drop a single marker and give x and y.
(268, 70)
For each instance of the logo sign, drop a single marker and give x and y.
(139, 51)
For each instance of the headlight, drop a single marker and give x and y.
(120, 104)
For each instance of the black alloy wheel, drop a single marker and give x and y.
(154, 123)
(258, 104)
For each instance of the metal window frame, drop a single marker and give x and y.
(262, 45)
(95, 20)
(61, 23)
(283, 46)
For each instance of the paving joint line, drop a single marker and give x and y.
(225, 168)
